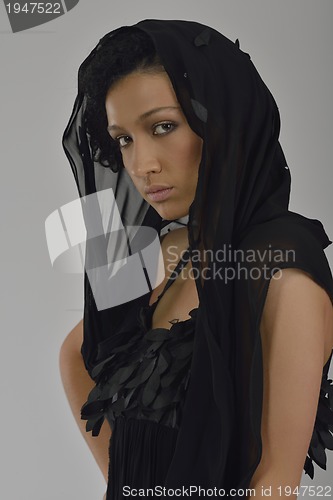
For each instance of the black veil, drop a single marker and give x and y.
(241, 203)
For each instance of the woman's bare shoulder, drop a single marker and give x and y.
(296, 297)
(175, 240)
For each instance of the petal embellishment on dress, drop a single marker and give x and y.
(147, 372)
(95, 425)
(150, 390)
(318, 454)
(124, 373)
(162, 364)
(308, 467)
(322, 438)
(163, 399)
(326, 438)
(324, 413)
(165, 354)
(98, 368)
(144, 374)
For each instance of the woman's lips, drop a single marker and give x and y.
(160, 195)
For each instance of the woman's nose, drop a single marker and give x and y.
(144, 160)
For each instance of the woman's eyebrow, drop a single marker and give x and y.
(156, 110)
(145, 115)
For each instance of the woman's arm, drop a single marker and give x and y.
(297, 338)
(77, 384)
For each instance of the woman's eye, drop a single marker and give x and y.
(123, 140)
(163, 128)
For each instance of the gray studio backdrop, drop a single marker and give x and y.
(43, 456)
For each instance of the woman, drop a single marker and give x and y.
(175, 119)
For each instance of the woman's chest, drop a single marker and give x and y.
(177, 301)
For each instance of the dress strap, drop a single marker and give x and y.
(181, 263)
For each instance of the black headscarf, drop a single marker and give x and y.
(241, 202)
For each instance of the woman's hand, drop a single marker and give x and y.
(104, 497)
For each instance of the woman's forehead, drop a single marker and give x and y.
(140, 93)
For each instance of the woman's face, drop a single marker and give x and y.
(159, 149)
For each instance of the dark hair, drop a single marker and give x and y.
(129, 50)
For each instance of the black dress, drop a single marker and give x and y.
(141, 388)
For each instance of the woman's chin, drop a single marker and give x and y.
(170, 214)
